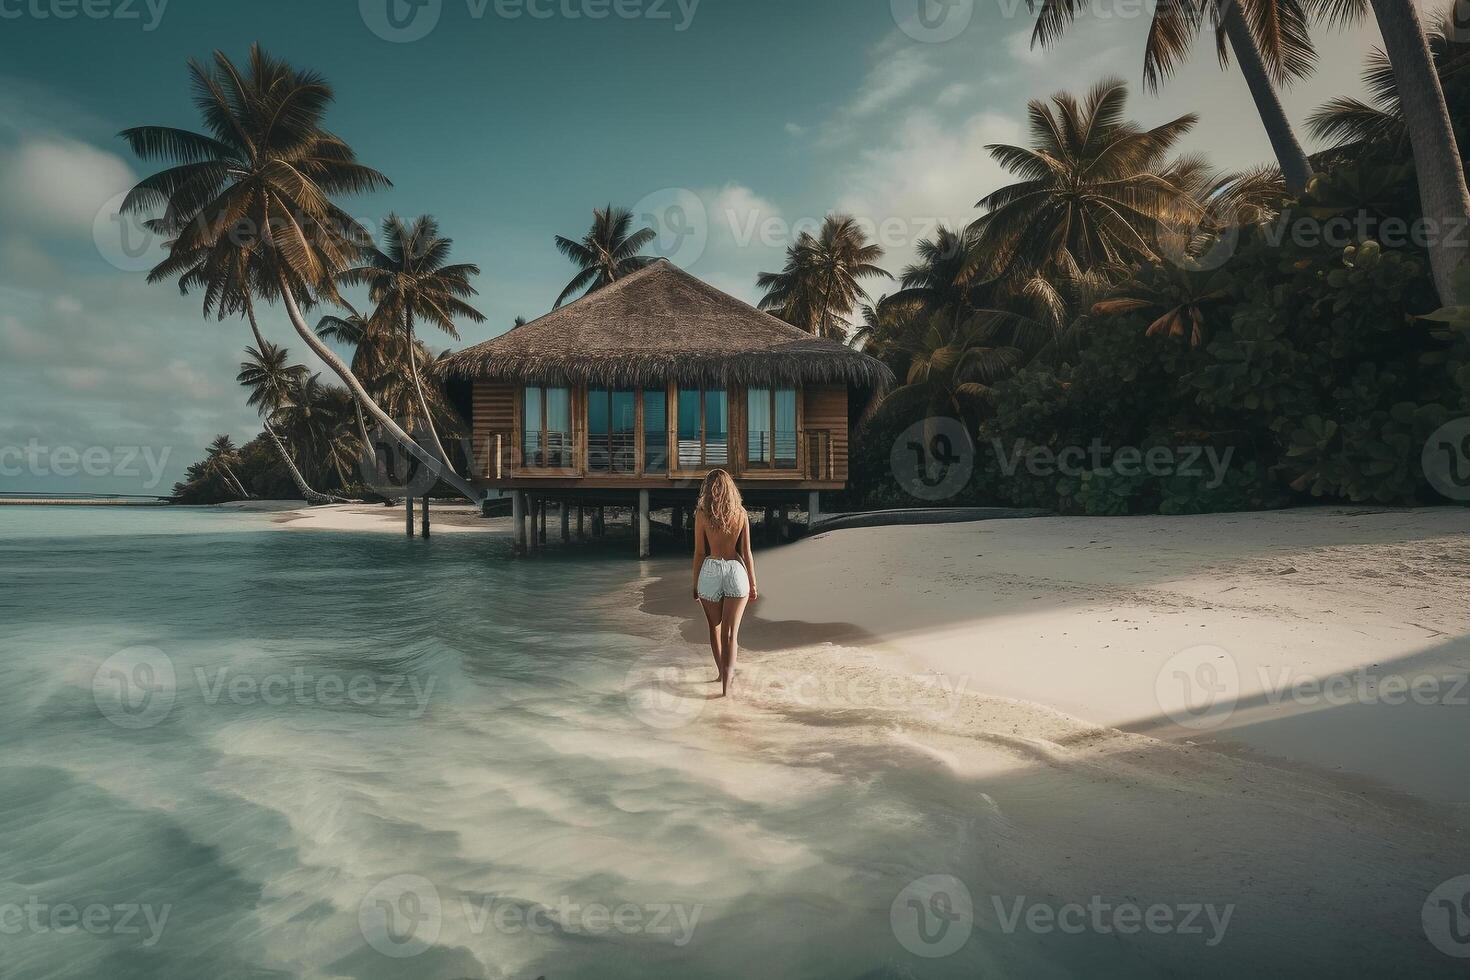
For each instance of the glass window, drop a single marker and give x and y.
(785, 437)
(758, 426)
(531, 428)
(655, 431)
(546, 428)
(771, 435)
(716, 433)
(704, 431)
(559, 427)
(611, 425)
(691, 449)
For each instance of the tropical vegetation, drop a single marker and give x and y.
(1115, 293)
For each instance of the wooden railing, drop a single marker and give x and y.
(820, 464)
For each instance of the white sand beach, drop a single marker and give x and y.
(1331, 639)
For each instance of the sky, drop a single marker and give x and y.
(727, 125)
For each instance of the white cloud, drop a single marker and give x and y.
(792, 129)
(928, 173)
(954, 94)
(1019, 45)
(59, 185)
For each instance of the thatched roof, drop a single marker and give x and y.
(657, 324)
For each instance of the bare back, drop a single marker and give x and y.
(723, 543)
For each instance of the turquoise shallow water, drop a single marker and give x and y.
(235, 750)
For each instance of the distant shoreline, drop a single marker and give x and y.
(82, 502)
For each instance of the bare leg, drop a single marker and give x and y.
(734, 608)
(712, 614)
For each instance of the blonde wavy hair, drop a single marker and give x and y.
(719, 501)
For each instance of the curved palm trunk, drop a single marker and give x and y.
(413, 370)
(340, 368)
(233, 481)
(1443, 196)
(307, 493)
(1295, 167)
(311, 496)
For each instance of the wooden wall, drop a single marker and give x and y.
(494, 412)
(825, 407)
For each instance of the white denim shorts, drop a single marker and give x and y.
(722, 578)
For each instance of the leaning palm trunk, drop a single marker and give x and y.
(1295, 167)
(1443, 196)
(340, 368)
(413, 370)
(311, 496)
(233, 481)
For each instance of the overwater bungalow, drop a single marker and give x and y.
(631, 394)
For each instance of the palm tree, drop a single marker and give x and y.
(319, 417)
(820, 284)
(271, 381)
(1270, 40)
(377, 351)
(606, 253)
(220, 455)
(248, 205)
(1182, 298)
(1443, 194)
(408, 279)
(951, 368)
(1093, 189)
(941, 279)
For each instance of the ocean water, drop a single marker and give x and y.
(229, 749)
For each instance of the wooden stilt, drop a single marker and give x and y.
(581, 523)
(541, 522)
(424, 517)
(566, 521)
(531, 512)
(813, 509)
(644, 529)
(518, 520)
(782, 526)
(408, 513)
(768, 530)
(600, 527)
